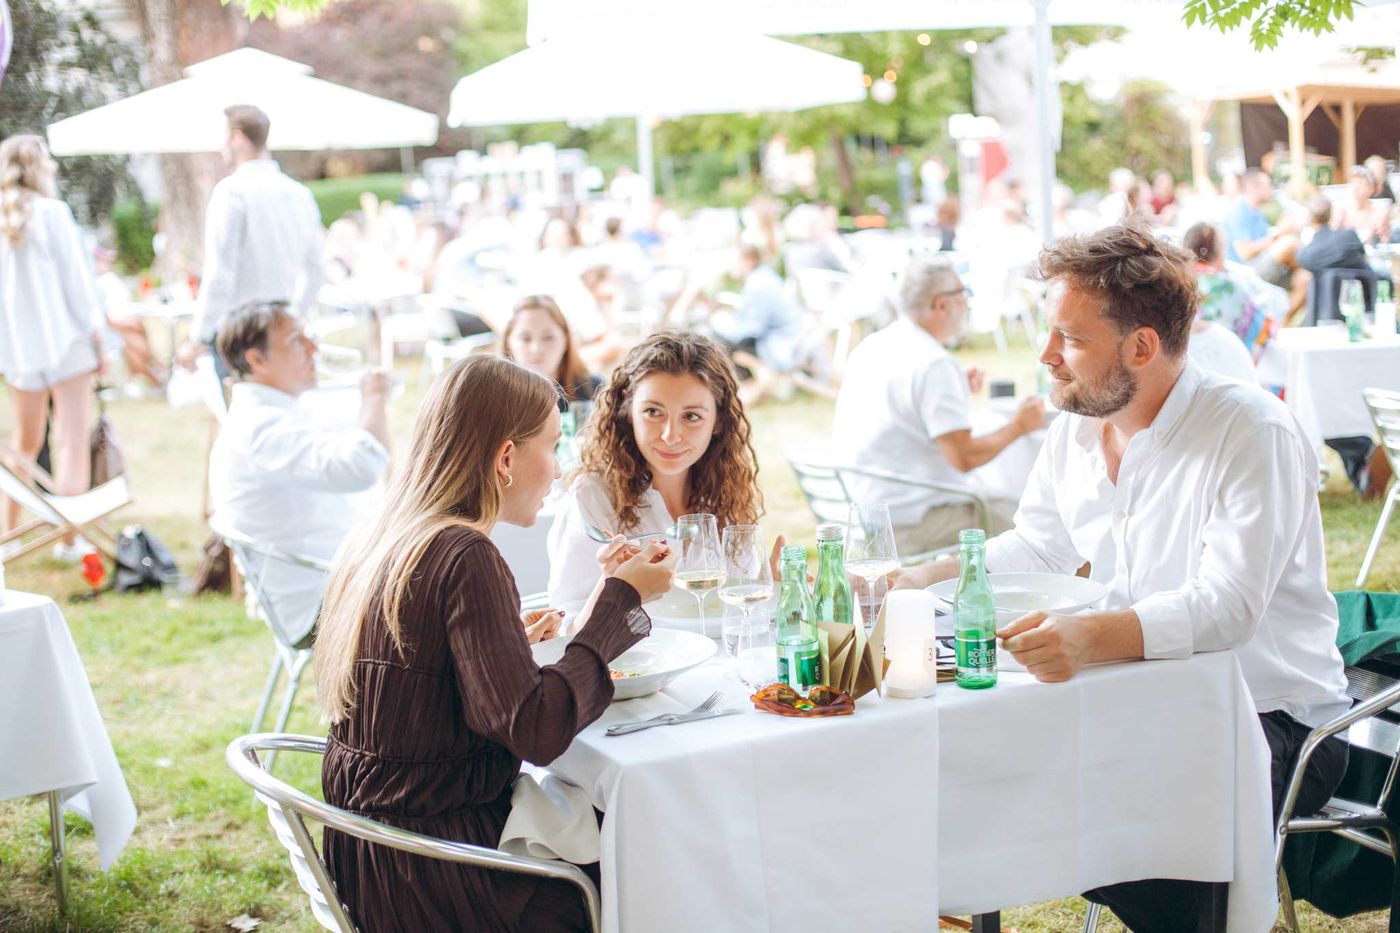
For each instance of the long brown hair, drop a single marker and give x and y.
(571, 370)
(724, 481)
(22, 178)
(449, 480)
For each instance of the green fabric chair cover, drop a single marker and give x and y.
(1337, 876)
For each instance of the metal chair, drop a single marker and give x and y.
(291, 638)
(1385, 413)
(1372, 724)
(288, 808)
(824, 486)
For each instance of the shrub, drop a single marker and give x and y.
(133, 226)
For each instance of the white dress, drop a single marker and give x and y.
(48, 298)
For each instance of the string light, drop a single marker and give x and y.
(925, 38)
(890, 76)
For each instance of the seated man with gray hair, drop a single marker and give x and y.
(275, 476)
(904, 408)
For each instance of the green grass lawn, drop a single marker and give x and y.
(177, 678)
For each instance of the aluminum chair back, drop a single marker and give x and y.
(1372, 724)
(255, 560)
(822, 488)
(289, 808)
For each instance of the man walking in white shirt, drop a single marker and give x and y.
(262, 236)
(904, 407)
(276, 477)
(1193, 498)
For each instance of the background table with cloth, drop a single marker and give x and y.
(1323, 375)
(51, 732)
(1129, 771)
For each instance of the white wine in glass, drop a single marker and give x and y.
(748, 583)
(870, 551)
(699, 567)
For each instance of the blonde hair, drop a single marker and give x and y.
(23, 175)
(449, 480)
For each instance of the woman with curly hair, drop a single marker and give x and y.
(668, 437)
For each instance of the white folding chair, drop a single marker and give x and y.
(824, 486)
(1385, 413)
(55, 516)
(288, 809)
(292, 639)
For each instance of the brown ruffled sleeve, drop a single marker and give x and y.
(534, 712)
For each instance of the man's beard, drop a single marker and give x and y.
(1100, 398)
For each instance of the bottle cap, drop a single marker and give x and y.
(794, 552)
(972, 536)
(830, 531)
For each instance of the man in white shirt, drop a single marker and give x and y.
(275, 476)
(262, 236)
(1193, 498)
(904, 408)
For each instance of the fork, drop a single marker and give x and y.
(602, 537)
(710, 702)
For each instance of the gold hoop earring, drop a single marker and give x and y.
(509, 480)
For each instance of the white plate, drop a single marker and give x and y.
(1016, 594)
(659, 658)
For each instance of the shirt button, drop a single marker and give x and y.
(1120, 516)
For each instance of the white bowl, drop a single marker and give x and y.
(658, 659)
(1016, 594)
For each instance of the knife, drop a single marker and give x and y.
(671, 720)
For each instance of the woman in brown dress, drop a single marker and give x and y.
(423, 664)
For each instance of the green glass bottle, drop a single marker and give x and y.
(799, 653)
(832, 592)
(974, 615)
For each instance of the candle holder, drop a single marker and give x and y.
(910, 644)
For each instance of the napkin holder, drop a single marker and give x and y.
(853, 661)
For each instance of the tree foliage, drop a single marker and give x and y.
(63, 63)
(1268, 19)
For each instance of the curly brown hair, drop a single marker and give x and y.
(723, 482)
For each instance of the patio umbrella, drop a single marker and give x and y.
(649, 74)
(188, 115)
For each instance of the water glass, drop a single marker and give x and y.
(870, 552)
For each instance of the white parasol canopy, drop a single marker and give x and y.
(188, 115)
(650, 73)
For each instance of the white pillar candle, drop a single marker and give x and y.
(910, 643)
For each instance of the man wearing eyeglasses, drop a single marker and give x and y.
(904, 408)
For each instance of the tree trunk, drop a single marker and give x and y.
(843, 170)
(178, 33)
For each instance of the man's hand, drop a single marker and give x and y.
(189, 352)
(375, 385)
(976, 378)
(541, 624)
(1051, 646)
(1030, 414)
(916, 578)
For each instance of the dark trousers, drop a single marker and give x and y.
(1356, 456)
(1170, 906)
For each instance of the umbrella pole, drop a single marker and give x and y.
(646, 160)
(1044, 64)
(406, 159)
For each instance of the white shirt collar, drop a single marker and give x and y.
(258, 394)
(259, 165)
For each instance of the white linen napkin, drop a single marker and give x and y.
(550, 818)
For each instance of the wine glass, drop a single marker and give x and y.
(699, 568)
(870, 550)
(748, 582)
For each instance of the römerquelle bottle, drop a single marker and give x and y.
(974, 615)
(799, 653)
(831, 593)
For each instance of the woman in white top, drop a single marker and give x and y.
(50, 316)
(668, 437)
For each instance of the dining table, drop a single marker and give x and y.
(1323, 374)
(962, 804)
(52, 738)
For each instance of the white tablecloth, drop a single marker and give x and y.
(1141, 770)
(1006, 474)
(1323, 375)
(51, 733)
(760, 822)
(1130, 771)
